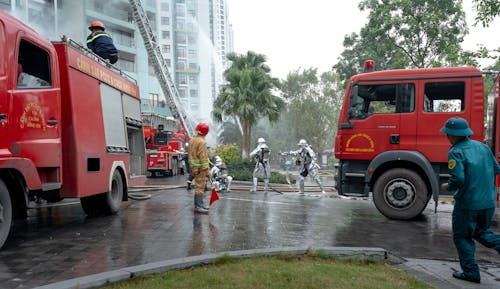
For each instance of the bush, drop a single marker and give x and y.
(241, 170)
(228, 153)
(277, 178)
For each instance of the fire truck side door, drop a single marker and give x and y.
(376, 121)
(439, 99)
(4, 93)
(36, 103)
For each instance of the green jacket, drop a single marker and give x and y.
(472, 167)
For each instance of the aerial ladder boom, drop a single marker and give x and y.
(164, 78)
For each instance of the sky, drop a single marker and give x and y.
(297, 34)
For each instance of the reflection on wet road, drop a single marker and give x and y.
(60, 243)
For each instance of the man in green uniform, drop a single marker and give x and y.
(472, 169)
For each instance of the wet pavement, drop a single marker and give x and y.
(60, 243)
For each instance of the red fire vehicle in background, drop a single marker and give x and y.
(70, 126)
(389, 140)
(164, 151)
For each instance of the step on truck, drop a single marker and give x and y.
(70, 126)
(389, 141)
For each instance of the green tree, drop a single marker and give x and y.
(405, 33)
(248, 94)
(230, 134)
(313, 107)
(487, 10)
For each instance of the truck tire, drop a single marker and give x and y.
(107, 203)
(114, 197)
(400, 194)
(5, 213)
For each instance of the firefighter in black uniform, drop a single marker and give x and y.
(101, 43)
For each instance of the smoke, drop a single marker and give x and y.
(51, 20)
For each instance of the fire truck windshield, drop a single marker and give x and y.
(161, 138)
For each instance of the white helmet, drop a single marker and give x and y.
(302, 143)
(218, 161)
(261, 140)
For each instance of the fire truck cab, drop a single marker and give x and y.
(70, 126)
(389, 140)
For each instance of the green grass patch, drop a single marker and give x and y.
(284, 271)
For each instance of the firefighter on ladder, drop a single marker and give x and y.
(198, 164)
(262, 168)
(307, 158)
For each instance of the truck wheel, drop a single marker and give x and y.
(115, 196)
(106, 203)
(5, 213)
(400, 194)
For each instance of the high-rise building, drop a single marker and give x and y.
(194, 36)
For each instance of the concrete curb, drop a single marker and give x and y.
(425, 277)
(106, 278)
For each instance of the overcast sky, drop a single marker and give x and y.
(297, 33)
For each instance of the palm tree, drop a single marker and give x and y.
(248, 94)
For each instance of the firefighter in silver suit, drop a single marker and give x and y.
(307, 159)
(262, 168)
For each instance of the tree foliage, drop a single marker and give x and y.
(314, 103)
(228, 153)
(230, 134)
(248, 94)
(404, 34)
(487, 10)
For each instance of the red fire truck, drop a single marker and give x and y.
(70, 126)
(389, 140)
(164, 151)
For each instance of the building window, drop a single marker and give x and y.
(182, 92)
(179, 25)
(166, 48)
(121, 37)
(193, 79)
(181, 38)
(165, 34)
(193, 65)
(193, 93)
(180, 10)
(126, 65)
(181, 65)
(164, 6)
(192, 53)
(182, 78)
(165, 20)
(153, 99)
(181, 52)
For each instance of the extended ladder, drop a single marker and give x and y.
(155, 57)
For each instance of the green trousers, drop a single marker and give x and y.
(470, 225)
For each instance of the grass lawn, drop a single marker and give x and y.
(280, 272)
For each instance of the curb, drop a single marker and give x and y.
(106, 278)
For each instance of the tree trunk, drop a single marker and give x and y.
(247, 127)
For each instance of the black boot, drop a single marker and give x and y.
(198, 205)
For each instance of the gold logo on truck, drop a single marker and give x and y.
(32, 117)
(362, 141)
